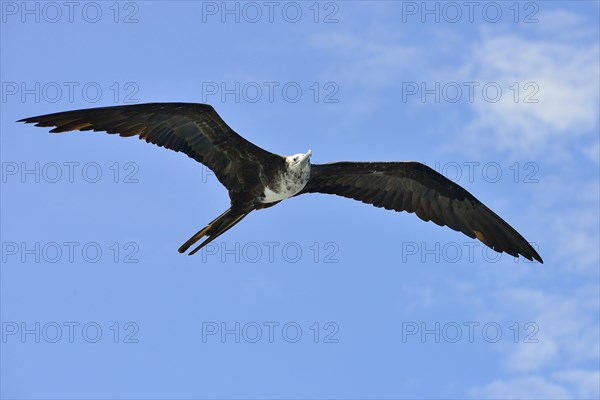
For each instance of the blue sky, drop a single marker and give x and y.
(319, 297)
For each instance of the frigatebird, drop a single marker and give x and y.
(257, 179)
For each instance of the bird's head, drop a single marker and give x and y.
(299, 159)
(300, 163)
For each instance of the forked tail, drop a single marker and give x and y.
(215, 229)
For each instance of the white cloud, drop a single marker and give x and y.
(559, 68)
(530, 356)
(567, 75)
(567, 384)
(585, 383)
(567, 340)
(534, 387)
(593, 152)
(364, 61)
(364, 66)
(564, 24)
(576, 235)
(566, 204)
(568, 328)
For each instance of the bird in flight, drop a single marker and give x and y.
(257, 179)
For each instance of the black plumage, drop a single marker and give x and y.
(416, 188)
(247, 171)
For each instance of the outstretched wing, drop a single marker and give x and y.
(194, 129)
(414, 187)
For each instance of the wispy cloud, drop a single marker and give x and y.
(367, 62)
(567, 341)
(564, 76)
(365, 66)
(583, 383)
(568, 328)
(534, 387)
(555, 99)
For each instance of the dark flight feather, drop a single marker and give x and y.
(416, 188)
(194, 129)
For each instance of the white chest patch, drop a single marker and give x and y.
(271, 196)
(291, 182)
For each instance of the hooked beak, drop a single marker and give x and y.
(306, 156)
